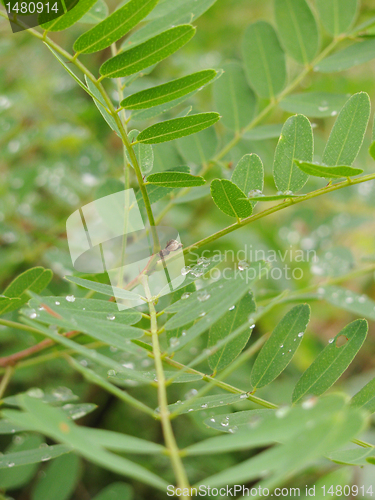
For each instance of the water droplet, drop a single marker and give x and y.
(203, 296)
(231, 308)
(323, 108)
(70, 298)
(45, 458)
(349, 300)
(282, 354)
(309, 403)
(33, 315)
(300, 334)
(362, 299)
(202, 314)
(174, 342)
(334, 113)
(331, 341)
(35, 392)
(185, 295)
(183, 333)
(41, 308)
(191, 393)
(111, 373)
(129, 366)
(224, 424)
(185, 270)
(10, 464)
(212, 420)
(204, 405)
(191, 409)
(57, 303)
(243, 396)
(242, 265)
(282, 411)
(111, 317)
(282, 345)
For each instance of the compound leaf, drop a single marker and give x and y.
(296, 143)
(68, 19)
(249, 175)
(332, 361)
(233, 98)
(175, 179)
(167, 92)
(231, 320)
(264, 60)
(114, 27)
(298, 29)
(358, 53)
(148, 53)
(280, 348)
(337, 16)
(327, 172)
(347, 134)
(176, 128)
(230, 199)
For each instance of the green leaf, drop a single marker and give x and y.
(210, 304)
(74, 76)
(348, 132)
(148, 53)
(365, 398)
(264, 132)
(178, 12)
(116, 491)
(314, 104)
(356, 456)
(338, 478)
(54, 424)
(175, 180)
(30, 457)
(337, 16)
(358, 53)
(97, 13)
(106, 327)
(168, 91)
(280, 348)
(59, 480)
(102, 288)
(94, 356)
(264, 60)
(372, 150)
(298, 29)
(233, 98)
(284, 461)
(331, 362)
(230, 199)
(143, 152)
(231, 320)
(25, 457)
(178, 127)
(102, 106)
(348, 300)
(54, 396)
(122, 443)
(207, 402)
(296, 143)
(32, 280)
(249, 175)
(198, 148)
(114, 27)
(66, 20)
(328, 172)
(260, 428)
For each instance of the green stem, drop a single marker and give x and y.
(277, 208)
(97, 82)
(5, 380)
(275, 102)
(170, 441)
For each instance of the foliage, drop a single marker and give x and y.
(281, 334)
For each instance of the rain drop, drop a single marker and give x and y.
(185, 295)
(232, 308)
(111, 317)
(300, 334)
(70, 298)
